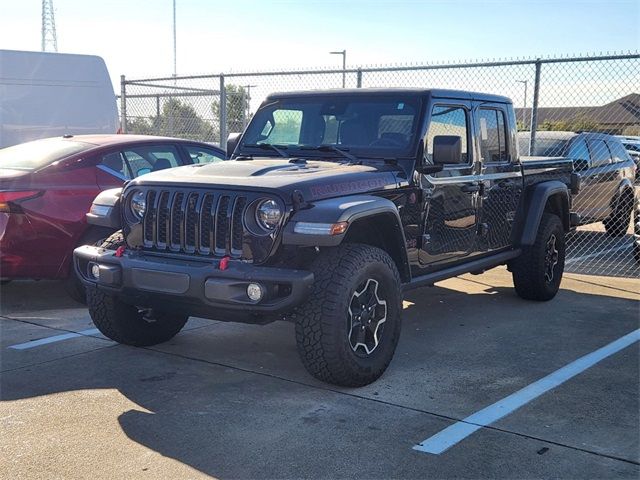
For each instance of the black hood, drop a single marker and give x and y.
(314, 179)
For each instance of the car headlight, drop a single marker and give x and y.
(138, 204)
(268, 214)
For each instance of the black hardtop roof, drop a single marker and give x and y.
(419, 92)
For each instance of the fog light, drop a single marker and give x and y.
(94, 270)
(255, 292)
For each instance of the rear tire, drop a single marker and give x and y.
(348, 330)
(537, 272)
(618, 223)
(127, 323)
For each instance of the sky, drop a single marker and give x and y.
(135, 37)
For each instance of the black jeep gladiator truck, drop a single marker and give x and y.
(333, 203)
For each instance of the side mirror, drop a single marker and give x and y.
(580, 165)
(232, 142)
(447, 149)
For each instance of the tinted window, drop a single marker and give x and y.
(40, 153)
(114, 164)
(203, 154)
(600, 154)
(618, 153)
(578, 150)
(550, 147)
(373, 126)
(448, 121)
(493, 134)
(145, 159)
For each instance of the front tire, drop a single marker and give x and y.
(537, 272)
(128, 324)
(348, 330)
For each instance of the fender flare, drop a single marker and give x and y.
(536, 202)
(350, 210)
(105, 209)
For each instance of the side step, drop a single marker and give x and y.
(481, 264)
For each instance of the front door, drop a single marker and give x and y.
(450, 224)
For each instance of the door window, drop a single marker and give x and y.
(493, 135)
(203, 154)
(448, 120)
(600, 154)
(114, 164)
(618, 153)
(145, 159)
(578, 150)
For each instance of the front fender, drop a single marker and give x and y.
(336, 210)
(105, 209)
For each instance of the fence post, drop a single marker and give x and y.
(123, 104)
(223, 113)
(157, 115)
(359, 80)
(534, 109)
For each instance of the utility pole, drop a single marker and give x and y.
(175, 59)
(344, 65)
(49, 38)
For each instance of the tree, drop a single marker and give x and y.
(176, 119)
(237, 108)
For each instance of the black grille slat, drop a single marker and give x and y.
(162, 222)
(222, 225)
(206, 224)
(193, 222)
(237, 231)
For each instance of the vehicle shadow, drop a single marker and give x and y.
(260, 420)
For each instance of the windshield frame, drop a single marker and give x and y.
(311, 150)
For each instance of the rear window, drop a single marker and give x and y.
(39, 153)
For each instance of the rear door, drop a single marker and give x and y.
(501, 176)
(450, 223)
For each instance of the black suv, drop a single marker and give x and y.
(333, 203)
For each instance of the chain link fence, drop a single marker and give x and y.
(554, 98)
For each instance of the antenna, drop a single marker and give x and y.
(49, 38)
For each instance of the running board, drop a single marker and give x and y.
(472, 266)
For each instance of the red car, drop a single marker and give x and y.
(47, 186)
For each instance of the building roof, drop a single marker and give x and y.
(623, 111)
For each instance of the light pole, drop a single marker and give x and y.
(344, 65)
(247, 109)
(175, 59)
(524, 110)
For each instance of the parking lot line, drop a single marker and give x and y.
(55, 338)
(450, 436)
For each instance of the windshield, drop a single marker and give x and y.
(39, 153)
(372, 126)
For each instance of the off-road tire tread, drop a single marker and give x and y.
(319, 351)
(121, 322)
(528, 269)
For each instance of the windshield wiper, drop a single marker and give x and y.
(333, 148)
(268, 146)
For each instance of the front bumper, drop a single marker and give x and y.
(192, 286)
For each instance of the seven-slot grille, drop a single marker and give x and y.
(205, 223)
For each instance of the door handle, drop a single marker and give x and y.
(474, 187)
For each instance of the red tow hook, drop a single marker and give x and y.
(224, 263)
(120, 251)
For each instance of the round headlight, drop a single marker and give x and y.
(138, 204)
(268, 214)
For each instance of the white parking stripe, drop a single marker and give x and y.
(55, 338)
(442, 441)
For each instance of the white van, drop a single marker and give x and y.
(53, 94)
